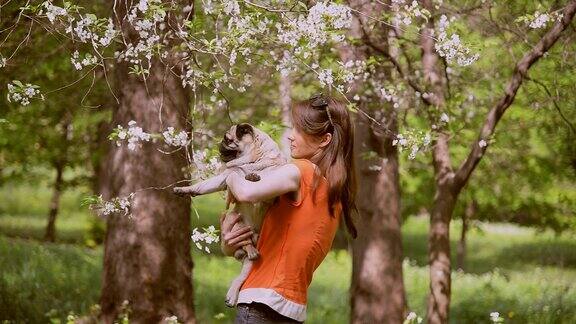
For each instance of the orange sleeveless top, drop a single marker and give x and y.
(294, 239)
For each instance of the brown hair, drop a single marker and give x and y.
(336, 161)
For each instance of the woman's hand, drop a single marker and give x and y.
(234, 238)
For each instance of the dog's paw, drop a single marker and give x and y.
(252, 177)
(230, 303)
(231, 298)
(180, 191)
(239, 254)
(184, 191)
(253, 254)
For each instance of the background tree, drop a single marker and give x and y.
(377, 291)
(449, 181)
(179, 69)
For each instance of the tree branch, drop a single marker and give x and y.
(518, 76)
(384, 52)
(572, 128)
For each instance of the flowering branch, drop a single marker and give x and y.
(520, 71)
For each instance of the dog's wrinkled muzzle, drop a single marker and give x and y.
(227, 154)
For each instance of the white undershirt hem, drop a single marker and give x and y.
(273, 299)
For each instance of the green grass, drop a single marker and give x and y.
(24, 214)
(526, 276)
(37, 278)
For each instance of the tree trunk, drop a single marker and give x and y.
(377, 291)
(50, 234)
(377, 287)
(59, 165)
(439, 257)
(101, 148)
(469, 214)
(285, 102)
(147, 258)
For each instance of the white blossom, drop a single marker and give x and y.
(495, 317)
(175, 139)
(146, 20)
(375, 167)
(314, 27)
(450, 47)
(134, 135)
(427, 139)
(109, 34)
(540, 20)
(482, 143)
(231, 7)
(52, 11)
(403, 13)
(352, 71)
(171, 319)
(444, 118)
(232, 59)
(325, 77)
(115, 205)
(413, 152)
(142, 5)
(79, 64)
(209, 236)
(23, 93)
(287, 64)
(412, 318)
(205, 167)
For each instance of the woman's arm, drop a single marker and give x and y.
(273, 183)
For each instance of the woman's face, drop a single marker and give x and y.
(303, 146)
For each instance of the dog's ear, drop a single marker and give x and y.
(243, 129)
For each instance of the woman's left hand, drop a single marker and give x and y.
(234, 239)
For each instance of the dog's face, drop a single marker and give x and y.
(236, 142)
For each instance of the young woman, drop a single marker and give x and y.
(314, 192)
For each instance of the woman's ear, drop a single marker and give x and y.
(326, 139)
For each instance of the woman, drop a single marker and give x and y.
(314, 192)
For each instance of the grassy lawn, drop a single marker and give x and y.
(526, 276)
(24, 214)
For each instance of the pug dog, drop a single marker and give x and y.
(246, 148)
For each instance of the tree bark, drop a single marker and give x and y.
(469, 213)
(377, 291)
(445, 196)
(147, 259)
(377, 287)
(285, 102)
(50, 234)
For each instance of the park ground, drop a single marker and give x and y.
(525, 275)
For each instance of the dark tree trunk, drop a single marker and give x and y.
(377, 287)
(101, 149)
(468, 215)
(377, 291)
(59, 166)
(285, 102)
(50, 234)
(147, 259)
